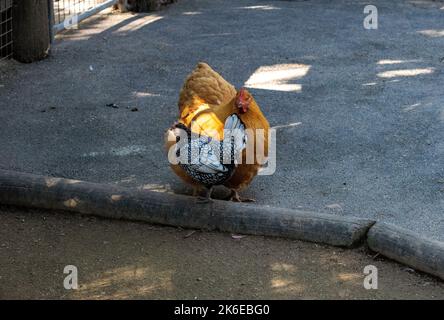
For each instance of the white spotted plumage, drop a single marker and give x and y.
(209, 161)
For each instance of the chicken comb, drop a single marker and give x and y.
(243, 100)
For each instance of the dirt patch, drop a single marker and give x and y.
(121, 260)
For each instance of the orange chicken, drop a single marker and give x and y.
(210, 108)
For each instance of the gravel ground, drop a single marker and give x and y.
(360, 113)
(123, 260)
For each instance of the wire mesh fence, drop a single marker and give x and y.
(65, 9)
(5, 29)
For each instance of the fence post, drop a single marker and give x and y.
(31, 34)
(51, 21)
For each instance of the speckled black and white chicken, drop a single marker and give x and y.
(210, 158)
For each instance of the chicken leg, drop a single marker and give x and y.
(235, 197)
(207, 197)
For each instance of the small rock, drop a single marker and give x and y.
(112, 105)
(199, 279)
(134, 109)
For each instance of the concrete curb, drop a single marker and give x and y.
(115, 202)
(407, 247)
(169, 209)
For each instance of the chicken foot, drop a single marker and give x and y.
(235, 197)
